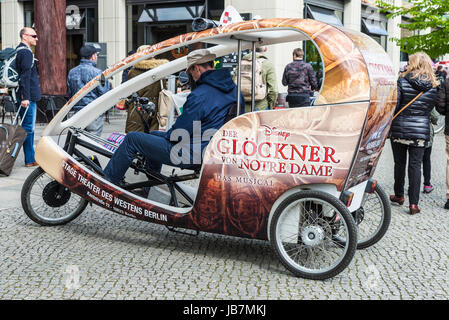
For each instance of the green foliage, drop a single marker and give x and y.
(423, 15)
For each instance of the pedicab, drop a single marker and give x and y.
(298, 178)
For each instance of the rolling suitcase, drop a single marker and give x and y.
(11, 141)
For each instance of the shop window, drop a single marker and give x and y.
(28, 11)
(150, 24)
(334, 17)
(376, 30)
(171, 14)
(215, 9)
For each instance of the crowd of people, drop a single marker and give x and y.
(422, 92)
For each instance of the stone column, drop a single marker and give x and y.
(112, 31)
(394, 31)
(12, 21)
(352, 14)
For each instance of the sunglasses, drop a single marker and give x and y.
(32, 35)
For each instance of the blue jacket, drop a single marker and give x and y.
(26, 67)
(209, 103)
(79, 76)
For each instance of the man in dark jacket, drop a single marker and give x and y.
(204, 112)
(79, 76)
(443, 108)
(300, 79)
(29, 90)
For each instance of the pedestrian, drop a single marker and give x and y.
(126, 71)
(443, 108)
(441, 73)
(300, 78)
(133, 120)
(426, 161)
(410, 128)
(29, 92)
(266, 91)
(82, 74)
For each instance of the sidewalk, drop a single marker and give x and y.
(10, 187)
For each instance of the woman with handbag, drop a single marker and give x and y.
(410, 128)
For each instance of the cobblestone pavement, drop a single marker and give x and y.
(102, 255)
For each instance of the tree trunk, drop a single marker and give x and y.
(51, 47)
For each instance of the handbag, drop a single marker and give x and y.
(403, 108)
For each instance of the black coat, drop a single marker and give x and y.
(443, 103)
(29, 85)
(413, 122)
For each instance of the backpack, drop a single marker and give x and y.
(260, 87)
(9, 77)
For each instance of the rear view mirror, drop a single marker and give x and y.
(102, 80)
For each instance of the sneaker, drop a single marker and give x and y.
(428, 189)
(446, 206)
(32, 164)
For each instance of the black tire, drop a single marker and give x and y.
(376, 210)
(52, 197)
(313, 226)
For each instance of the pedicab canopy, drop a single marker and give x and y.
(254, 159)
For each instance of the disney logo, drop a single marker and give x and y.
(276, 132)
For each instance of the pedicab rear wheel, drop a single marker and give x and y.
(372, 218)
(302, 233)
(48, 203)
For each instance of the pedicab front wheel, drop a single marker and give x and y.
(302, 232)
(47, 202)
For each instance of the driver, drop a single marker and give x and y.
(205, 109)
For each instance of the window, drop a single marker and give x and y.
(155, 21)
(28, 11)
(334, 17)
(374, 24)
(171, 14)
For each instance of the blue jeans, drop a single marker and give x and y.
(154, 148)
(28, 124)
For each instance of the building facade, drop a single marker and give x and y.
(123, 25)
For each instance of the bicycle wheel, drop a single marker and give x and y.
(47, 202)
(440, 125)
(302, 233)
(372, 218)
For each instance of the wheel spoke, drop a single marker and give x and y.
(304, 234)
(46, 203)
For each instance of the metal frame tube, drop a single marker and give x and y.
(253, 77)
(239, 75)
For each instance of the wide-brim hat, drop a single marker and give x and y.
(199, 56)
